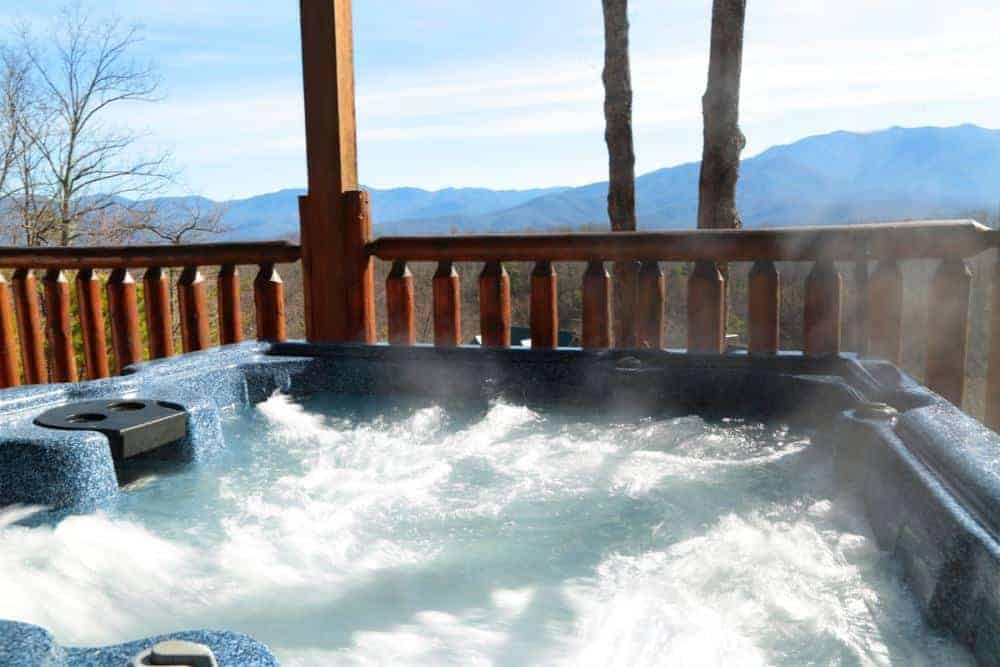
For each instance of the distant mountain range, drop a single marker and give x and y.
(843, 177)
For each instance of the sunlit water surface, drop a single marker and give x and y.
(346, 531)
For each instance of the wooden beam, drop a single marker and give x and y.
(901, 240)
(331, 157)
(132, 257)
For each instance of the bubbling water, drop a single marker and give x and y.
(342, 530)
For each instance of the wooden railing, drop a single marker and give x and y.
(21, 312)
(638, 319)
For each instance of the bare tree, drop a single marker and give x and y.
(723, 139)
(13, 81)
(189, 220)
(618, 117)
(84, 70)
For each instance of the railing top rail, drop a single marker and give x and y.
(891, 240)
(144, 256)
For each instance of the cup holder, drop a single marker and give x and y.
(133, 426)
(127, 406)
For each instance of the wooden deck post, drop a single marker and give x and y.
(9, 375)
(544, 307)
(597, 307)
(95, 350)
(822, 312)
(228, 299)
(765, 312)
(652, 297)
(399, 305)
(333, 233)
(193, 308)
(159, 324)
(29, 324)
(269, 304)
(948, 329)
(123, 305)
(885, 306)
(494, 305)
(59, 325)
(706, 308)
(447, 306)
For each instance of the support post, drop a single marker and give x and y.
(329, 265)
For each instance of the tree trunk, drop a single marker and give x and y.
(618, 116)
(723, 139)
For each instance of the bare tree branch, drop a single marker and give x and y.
(618, 117)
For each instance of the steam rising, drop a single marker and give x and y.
(350, 534)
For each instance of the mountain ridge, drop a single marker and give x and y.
(838, 177)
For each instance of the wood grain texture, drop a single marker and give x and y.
(269, 304)
(948, 330)
(142, 256)
(59, 325)
(494, 305)
(885, 308)
(764, 313)
(29, 327)
(10, 375)
(399, 302)
(447, 306)
(123, 305)
(193, 310)
(822, 323)
(597, 308)
(901, 240)
(626, 296)
(652, 299)
(91, 313)
(331, 158)
(360, 268)
(229, 307)
(159, 323)
(706, 307)
(544, 307)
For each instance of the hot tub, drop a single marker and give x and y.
(427, 505)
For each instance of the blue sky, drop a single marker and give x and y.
(508, 94)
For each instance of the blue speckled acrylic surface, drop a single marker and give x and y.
(930, 480)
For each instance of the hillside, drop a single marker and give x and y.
(833, 178)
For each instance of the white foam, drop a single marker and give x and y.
(360, 534)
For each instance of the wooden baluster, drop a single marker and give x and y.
(706, 308)
(948, 330)
(29, 327)
(885, 307)
(494, 305)
(651, 300)
(230, 312)
(862, 316)
(95, 343)
(447, 306)
(597, 307)
(269, 302)
(159, 324)
(765, 318)
(59, 323)
(626, 293)
(993, 373)
(9, 372)
(193, 310)
(123, 305)
(399, 305)
(822, 311)
(544, 307)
